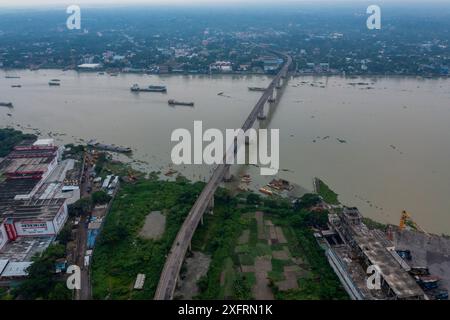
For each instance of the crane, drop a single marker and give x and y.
(406, 220)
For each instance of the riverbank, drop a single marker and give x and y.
(234, 73)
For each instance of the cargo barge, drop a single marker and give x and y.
(108, 147)
(6, 104)
(256, 89)
(172, 102)
(136, 88)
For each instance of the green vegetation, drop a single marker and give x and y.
(80, 207)
(121, 254)
(10, 138)
(372, 224)
(42, 283)
(100, 197)
(218, 237)
(328, 195)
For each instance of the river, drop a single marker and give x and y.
(383, 144)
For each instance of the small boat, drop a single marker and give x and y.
(173, 102)
(55, 80)
(16, 86)
(136, 88)
(6, 104)
(246, 179)
(256, 89)
(170, 172)
(243, 187)
(54, 83)
(12, 77)
(265, 191)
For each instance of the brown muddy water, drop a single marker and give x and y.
(383, 144)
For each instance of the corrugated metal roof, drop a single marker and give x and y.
(3, 263)
(16, 269)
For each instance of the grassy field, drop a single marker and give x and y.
(225, 279)
(326, 193)
(121, 254)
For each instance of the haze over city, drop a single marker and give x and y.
(242, 151)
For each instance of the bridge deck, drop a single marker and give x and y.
(168, 279)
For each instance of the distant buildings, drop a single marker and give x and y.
(89, 66)
(221, 66)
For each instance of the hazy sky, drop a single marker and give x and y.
(185, 2)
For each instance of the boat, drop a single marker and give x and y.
(256, 89)
(266, 191)
(55, 80)
(16, 86)
(108, 147)
(136, 88)
(54, 83)
(243, 187)
(173, 102)
(6, 104)
(170, 172)
(12, 77)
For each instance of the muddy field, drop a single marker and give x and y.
(154, 226)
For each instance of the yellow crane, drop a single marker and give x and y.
(406, 220)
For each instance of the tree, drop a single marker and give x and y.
(41, 279)
(253, 198)
(100, 197)
(82, 206)
(113, 233)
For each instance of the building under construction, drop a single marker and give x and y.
(27, 207)
(352, 248)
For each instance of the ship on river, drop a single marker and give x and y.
(256, 89)
(173, 102)
(108, 147)
(6, 104)
(136, 88)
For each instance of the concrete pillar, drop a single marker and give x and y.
(210, 208)
(261, 114)
(227, 176)
(279, 84)
(272, 98)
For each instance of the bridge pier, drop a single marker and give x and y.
(272, 99)
(279, 83)
(210, 207)
(228, 177)
(261, 114)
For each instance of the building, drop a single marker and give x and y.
(32, 199)
(351, 248)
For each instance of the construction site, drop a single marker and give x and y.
(36, 186)
(356, 252)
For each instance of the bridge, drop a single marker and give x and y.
(169, 276)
